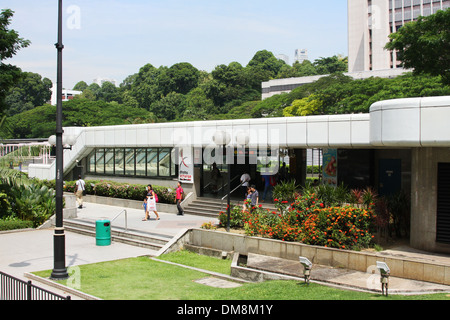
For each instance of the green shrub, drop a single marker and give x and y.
(237, 217)
(308, 220)
(121, 190)
(13, 224)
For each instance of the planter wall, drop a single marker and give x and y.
(354, 260)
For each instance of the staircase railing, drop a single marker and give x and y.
(126, 218)
(225, 196)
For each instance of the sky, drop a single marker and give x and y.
(115, 38)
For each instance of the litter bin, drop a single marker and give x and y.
(103, 232)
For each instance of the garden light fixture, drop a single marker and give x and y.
(384, 279)
(307, 265)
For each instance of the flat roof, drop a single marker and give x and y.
(412, 122)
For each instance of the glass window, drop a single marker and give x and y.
(100, 161)
(91, 162)
(173, 159)
(141, 162)
(109, 161)
(164, 162)
(119, 167)
(152, 162)
(129, 162)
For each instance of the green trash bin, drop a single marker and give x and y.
(103, 232)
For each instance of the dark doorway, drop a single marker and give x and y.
(443, 204)
(390, 176)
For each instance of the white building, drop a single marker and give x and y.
(283, 57)
(278, 86)
(66, 95)
(301, 55)
(100, 81)
(370, 22)
(401, 144)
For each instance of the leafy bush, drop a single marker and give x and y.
(237, 217)
(13, 224)
(121, 190)
(35, 203)
(285, 191)
(309, 221)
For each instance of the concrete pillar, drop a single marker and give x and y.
(424, 179)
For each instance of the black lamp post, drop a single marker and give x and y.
(59, 242)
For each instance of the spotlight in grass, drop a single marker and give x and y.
(384, 279)
(307, 265)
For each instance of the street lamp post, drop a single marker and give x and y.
(59, 242)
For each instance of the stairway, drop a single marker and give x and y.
(130, 237)
(211, 207)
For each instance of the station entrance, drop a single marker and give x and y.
(274, 165)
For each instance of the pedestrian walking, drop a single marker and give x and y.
(151, 203)
(178, 198)
(245, 182)
(80, 188)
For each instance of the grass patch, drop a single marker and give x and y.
(145, 279)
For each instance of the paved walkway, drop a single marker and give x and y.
(32, 250)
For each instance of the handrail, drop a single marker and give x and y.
(126, 218)
(224, 184)
(225, 196)
(232, 191)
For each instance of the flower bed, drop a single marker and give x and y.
(307, 220)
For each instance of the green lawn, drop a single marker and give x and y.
(145, 279)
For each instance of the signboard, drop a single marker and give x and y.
(330, 166)
(185, 165)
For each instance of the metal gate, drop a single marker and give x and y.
(12, 288)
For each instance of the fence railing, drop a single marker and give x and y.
(12, 288)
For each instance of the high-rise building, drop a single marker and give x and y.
(100, 81)
(301, 55)
(371, 21)
(283, 57)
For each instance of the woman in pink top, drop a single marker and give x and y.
(178, 199)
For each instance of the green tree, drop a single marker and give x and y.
(170, 107)
(198, 105)
(80, 86)
(263, 67)
(145, 87)
(230, 86)
(108, 92)
(10, 43)
(424, 45)
(29, 92)
(330, 65)
(180, 78)
(304, 107)
(40, 121)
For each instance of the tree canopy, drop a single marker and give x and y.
(424, 45)
(10, 43)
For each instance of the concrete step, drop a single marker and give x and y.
(210, 207)
(131, 237)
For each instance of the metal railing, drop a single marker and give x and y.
(226, 196)
(12, 288)
(126, 218)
